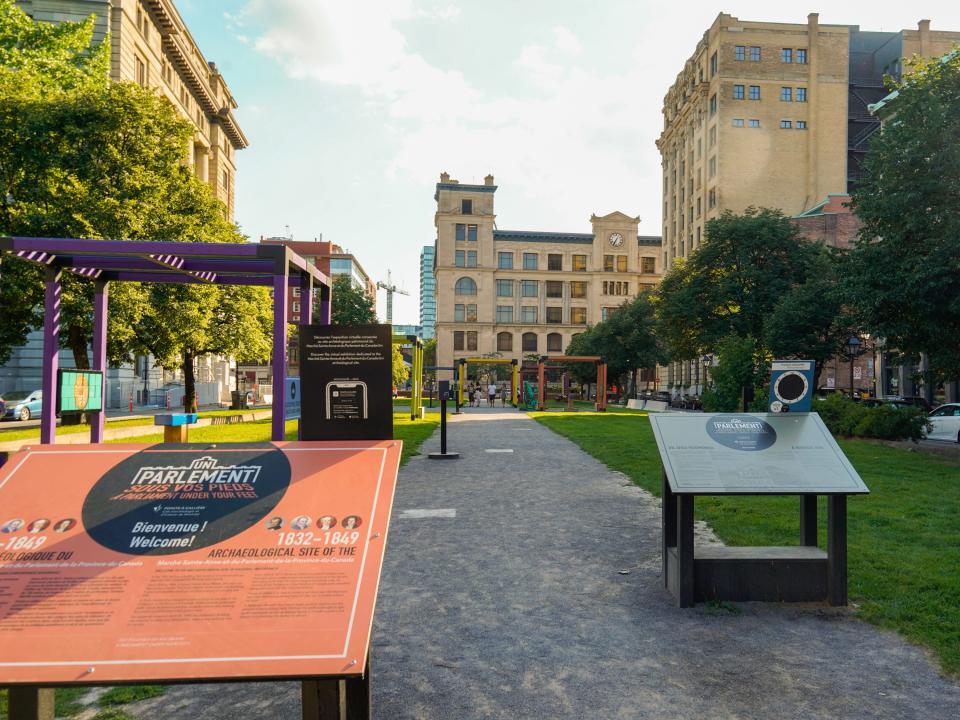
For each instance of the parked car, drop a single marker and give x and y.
(895, 403)
(946, 423)
(20, 404)
(917, 400)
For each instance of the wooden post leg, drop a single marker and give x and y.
(668, 509)
(837, 549)
(808, 520)
(358, 696)
(685, 550)
(30, 703)
(323, 699)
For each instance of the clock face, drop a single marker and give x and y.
(616, 239)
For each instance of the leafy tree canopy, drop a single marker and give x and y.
(732, 282)
(903, 277)
(351, 306)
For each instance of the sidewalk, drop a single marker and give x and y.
(526, 584)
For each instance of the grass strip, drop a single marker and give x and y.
(903, 538)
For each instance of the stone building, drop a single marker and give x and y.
(428, 293)
(518, 293)
(151, 46)
(774, 115)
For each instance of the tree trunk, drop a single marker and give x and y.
(633, 383)
(189, 384)
(77, 342)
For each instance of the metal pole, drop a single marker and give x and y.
(278, 422)
(51, 355)
(100, 299)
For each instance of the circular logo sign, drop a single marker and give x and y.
(172, 499)
(741, 432)
(790, 387)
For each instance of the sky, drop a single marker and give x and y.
(354, 108)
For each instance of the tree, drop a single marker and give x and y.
(430, 359)
(736, 370)
(732, 282)
(350, 305)
(812, 321)
(401, 372)
(81, 157)
(903, 278)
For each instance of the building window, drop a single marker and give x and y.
(621, 263)
(529, 342)
(554, 289)
(554, 342)
(578, 289)
(554, 315)
(504, 341)
(528, 288)
(802, 56)
(754, 123)
(738, 92)
(505, 260)
(466, 207)
(504, 313)
(786, 94)
(713, 65)
(712, 167)
(712, 136)
(529, 261)
(801, 94)
(713, 104)
(466, 258)
(785, 124)
(578, 316)
(608, 263)
(801, 124)
(554, 262)
(458, 343)
(712, 198)
(504, 288)
(579, 263)
(465, 286)
(466, 232)
(528, 314)
(465, 313)
(754, 54)
(140, 71)
(698, 207)
(739, 52)
(754, 92)
(471, 340)
(786, 55)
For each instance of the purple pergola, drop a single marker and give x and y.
(106, 261)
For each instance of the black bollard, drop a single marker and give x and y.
(443, 454)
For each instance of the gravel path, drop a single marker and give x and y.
(526, 584)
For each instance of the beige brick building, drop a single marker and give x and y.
(516, 293)
(151, 45)
(773, 115)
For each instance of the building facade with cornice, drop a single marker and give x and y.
(152, 46)
(514, 294)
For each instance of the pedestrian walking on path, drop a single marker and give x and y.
(491, 393)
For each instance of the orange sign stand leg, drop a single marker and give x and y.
(30, 703)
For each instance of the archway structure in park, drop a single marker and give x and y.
(106, 261)
(514, 374)
(416, 371)
(601, 376)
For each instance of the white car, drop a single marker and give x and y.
(946, 423)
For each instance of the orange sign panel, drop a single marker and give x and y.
(182, 562)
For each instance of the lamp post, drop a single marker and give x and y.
(854, 350)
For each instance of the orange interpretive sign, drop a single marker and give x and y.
(191, 562)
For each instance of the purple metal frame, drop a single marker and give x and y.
(105, 261)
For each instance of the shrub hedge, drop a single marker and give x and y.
(848, 418)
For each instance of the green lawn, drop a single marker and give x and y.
(413, 433)
(903, 538)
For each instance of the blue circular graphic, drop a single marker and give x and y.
(741, 432)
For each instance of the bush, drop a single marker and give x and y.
(847, 418)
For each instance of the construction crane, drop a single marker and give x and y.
(391, 289)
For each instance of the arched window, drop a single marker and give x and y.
(530, 342)
(554, 342)
(504, 341)
(465, 286)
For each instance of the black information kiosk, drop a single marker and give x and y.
(754, 454)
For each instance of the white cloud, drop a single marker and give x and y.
(566, 40)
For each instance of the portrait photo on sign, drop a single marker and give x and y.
(327, 522)
(351, 522)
